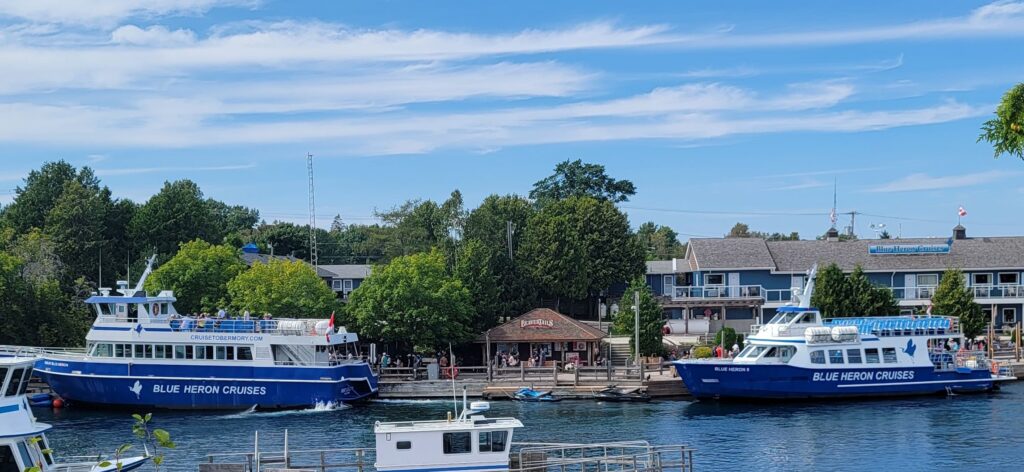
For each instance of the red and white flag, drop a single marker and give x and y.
(961, 212)
(832, 216)
(330, 327)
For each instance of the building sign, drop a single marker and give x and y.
(537, 323)
(908, 249)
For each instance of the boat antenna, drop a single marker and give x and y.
(451, 373)
(805, 298)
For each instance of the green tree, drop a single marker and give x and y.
(232, 218)
(38, 256)
(831, 292)
(953, 298)
(177, 213)
(838, 295)
(498, 224)
(742, 230)
(76, 224)
(199, 274)
(413, 301)
(578, 179)
(289, 289)
(651, 319)
(418, 226)
(473, 269)
(660, 242)
(726, 337)
(1005, 132)
(577, 247)
(33, 200)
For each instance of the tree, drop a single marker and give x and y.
(337, 224)
(884, 234)
(38, 256)
(742, 230)
(76, 225)
(413, 301)
(232, 218)
(33, 200)
(418, 226)
(289, 289)
(953, 298)
(490, 224)
(199, 274)
(474, 270)
(176, 214)
(660, 242)
(1005, 132)
(577, 179)
(651, 319)
(838, 295)
(577, 247)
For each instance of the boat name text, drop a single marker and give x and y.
(210, 389)
(863, 376)
(225, 337)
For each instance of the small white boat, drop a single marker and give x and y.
(23, 446)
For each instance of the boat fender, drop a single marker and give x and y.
(58, 403)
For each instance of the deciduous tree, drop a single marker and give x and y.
(414, 301)
(659, 242)
(953, 298)
(579, 179)
(838, 295)
(176, 214)
(199, 274)
(1005, 132)
(282, 288)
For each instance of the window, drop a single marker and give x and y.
(231, 352)
(797, 280)
(835, 356)
(889, 355)
(26, 458)
(24, 381)
(220, 352)
(244, 353)
(179, 352)
(458, 443)
(853, 356)
(188, 352)
(1009, 278)
(1009, 315)
(786, 353)
(119, 350)
(871, 355)
(817, 357)
(714, 279)
(493, 441)
(138, 351)
(103, 350)
(336, 284)
(347, 285)
(403, 445)
(927, 280)
(3, 375)
(147, 349)
(159, 352)
(201, 352)
(756, 351)
(981, 279)
(773, 352)
(12, 386)
(667, 283)
(7, 462)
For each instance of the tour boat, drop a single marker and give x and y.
(797, 354)
(141, 353)
(23, 444)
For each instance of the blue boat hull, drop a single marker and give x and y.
(721, 380)
(205, 387)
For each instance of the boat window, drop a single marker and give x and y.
(45, 446)
(26, 458)
(159, 352)
(757, 351)
(458, 443)
(772, 352)
(119, 350)
(231, 353)
(889, 355)
(179, 351)
(493, 441)
(148, 349)
(3, 376)
(244, 353)
(807, 318)
(138, 351)
(188, 352)
(786, 353)
(25, 381)
(200, 352)
(871, 355)
(12, 386)
(403, 445)
(835, 356)
(220, 353)
(7, 462)
(817, 357)
(853, 356)
(745, 351)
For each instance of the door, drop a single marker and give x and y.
(910, 287)
(734, 284)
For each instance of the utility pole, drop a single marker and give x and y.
(312, 214)
(853, 222)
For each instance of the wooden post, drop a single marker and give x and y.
(554, 372)
(522, 370)
(575, 376)
(642, 371)
(1018, 341)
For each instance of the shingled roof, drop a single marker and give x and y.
(731, 253)
(968, 254)
(543, 325)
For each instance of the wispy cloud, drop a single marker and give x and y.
(106, 12)
(917, 182)
(806, 184)
(152, 170)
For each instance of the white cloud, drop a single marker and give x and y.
(106, 12)
(151, 170)
(151, 36)
(920, 181)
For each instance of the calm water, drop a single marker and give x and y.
(973, 432)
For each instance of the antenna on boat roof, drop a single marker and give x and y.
(805, 297)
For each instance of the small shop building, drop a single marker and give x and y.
(550, 335)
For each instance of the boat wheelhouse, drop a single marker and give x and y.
(23, 443)
(141, 352)
(797, 354)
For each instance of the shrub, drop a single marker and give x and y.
(702, 352)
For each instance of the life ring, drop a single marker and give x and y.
(156, 309)
(451, 372)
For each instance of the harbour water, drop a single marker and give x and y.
(968, 432)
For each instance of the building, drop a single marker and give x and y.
(342, 278)
(738, 282)
(546, 333)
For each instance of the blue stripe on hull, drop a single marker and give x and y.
(205, 386)
(725, 380)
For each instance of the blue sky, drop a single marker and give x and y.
(718, 111)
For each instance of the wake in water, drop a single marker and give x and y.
(320, 407)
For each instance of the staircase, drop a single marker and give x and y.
(620, 352)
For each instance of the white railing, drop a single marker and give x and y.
(718, 291)
(775, 295)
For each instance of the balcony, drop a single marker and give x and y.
(757, 294)
(980, 292)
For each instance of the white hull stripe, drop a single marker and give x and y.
(197, 379)
(926, 382)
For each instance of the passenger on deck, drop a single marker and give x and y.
(245, 315)
(221, 314)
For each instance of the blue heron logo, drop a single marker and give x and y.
(910, 348)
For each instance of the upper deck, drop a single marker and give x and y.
(443, 425)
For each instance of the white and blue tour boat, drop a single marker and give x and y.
(799, 355)
(23, 444)
(141, 353)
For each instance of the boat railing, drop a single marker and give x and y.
(33, 351)
(900, 325)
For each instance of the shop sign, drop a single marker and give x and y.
(537, 323)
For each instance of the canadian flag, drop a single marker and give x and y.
(330, 327)
(961, 212)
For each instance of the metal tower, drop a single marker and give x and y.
(312, 214)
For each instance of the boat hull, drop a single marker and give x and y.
(205, 387)
(724, 380)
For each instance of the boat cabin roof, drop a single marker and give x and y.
(474, 422)
(793, 309)
(121, 299)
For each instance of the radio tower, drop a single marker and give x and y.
(312, 214)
